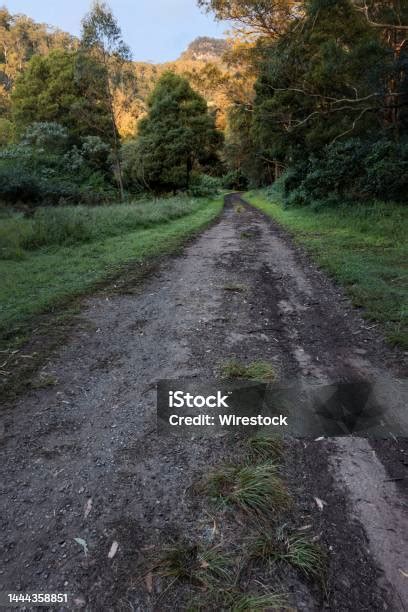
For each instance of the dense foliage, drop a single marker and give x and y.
(178, 136)
(330, 101)
(56, 88)
(315, 89)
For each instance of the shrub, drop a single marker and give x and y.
(18, 185)
(236, 180)
(49, 136)
(353, 170)
(203, 185)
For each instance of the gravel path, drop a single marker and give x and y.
(80, 457)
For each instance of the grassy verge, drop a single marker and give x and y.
(363, 247)
(68, 225)
(49, 276)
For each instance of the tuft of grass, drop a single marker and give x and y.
(296, 550)
(234, 600)
(263, 447)
(194, 564)
(239, 208)
(235, 288)
(253, 489)
(363, 247)
(253, 603)
(257, 370)
(246, 235)
(44, 381)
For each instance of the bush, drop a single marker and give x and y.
(203, 185)
(350, 171)
(18, 185)
(235, 179)
(48, 136)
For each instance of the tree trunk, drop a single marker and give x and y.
(116, 151)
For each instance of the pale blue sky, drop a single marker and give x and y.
(156, 30)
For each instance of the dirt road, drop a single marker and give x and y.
(81, 459)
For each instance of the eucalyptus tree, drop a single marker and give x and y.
(102, 41)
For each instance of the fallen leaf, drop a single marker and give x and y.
(88, 507)
(113, 550)
(149, 582)
(82, 543)
(320, 503)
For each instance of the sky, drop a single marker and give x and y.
(155, 30)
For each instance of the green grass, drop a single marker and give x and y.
(193, 563)
(297, 550)
(233, 600)
(363, 247)
(262, 447)
(252, 603)
(257, 370)
(255, 489)
(48, 276)
(67, 225)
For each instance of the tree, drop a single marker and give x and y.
(177, 136)
(20, 39)
(257, 17)
(102, 41)
(6, 131)
(53, 89)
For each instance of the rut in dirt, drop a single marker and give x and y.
(91, 436)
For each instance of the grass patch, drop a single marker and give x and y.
(246, 235)
(296, 550)
(257, 370)
(263, 447)
(50, 276)
(235, 288)
(67, 225)
(194, 564)
(44, 381)
(363, 247)
(235, 601)
(253, 489)
(250, 603)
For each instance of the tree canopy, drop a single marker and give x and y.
(53, 89)
(176, 137)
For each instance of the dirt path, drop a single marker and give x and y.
(90, 434)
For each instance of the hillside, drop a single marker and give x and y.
(200, 63)
(205, 49)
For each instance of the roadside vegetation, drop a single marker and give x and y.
(256, 370)
(254, 540)
(363, 247)
(39, 279)
(68, 225)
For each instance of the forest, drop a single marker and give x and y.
(313, 90)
